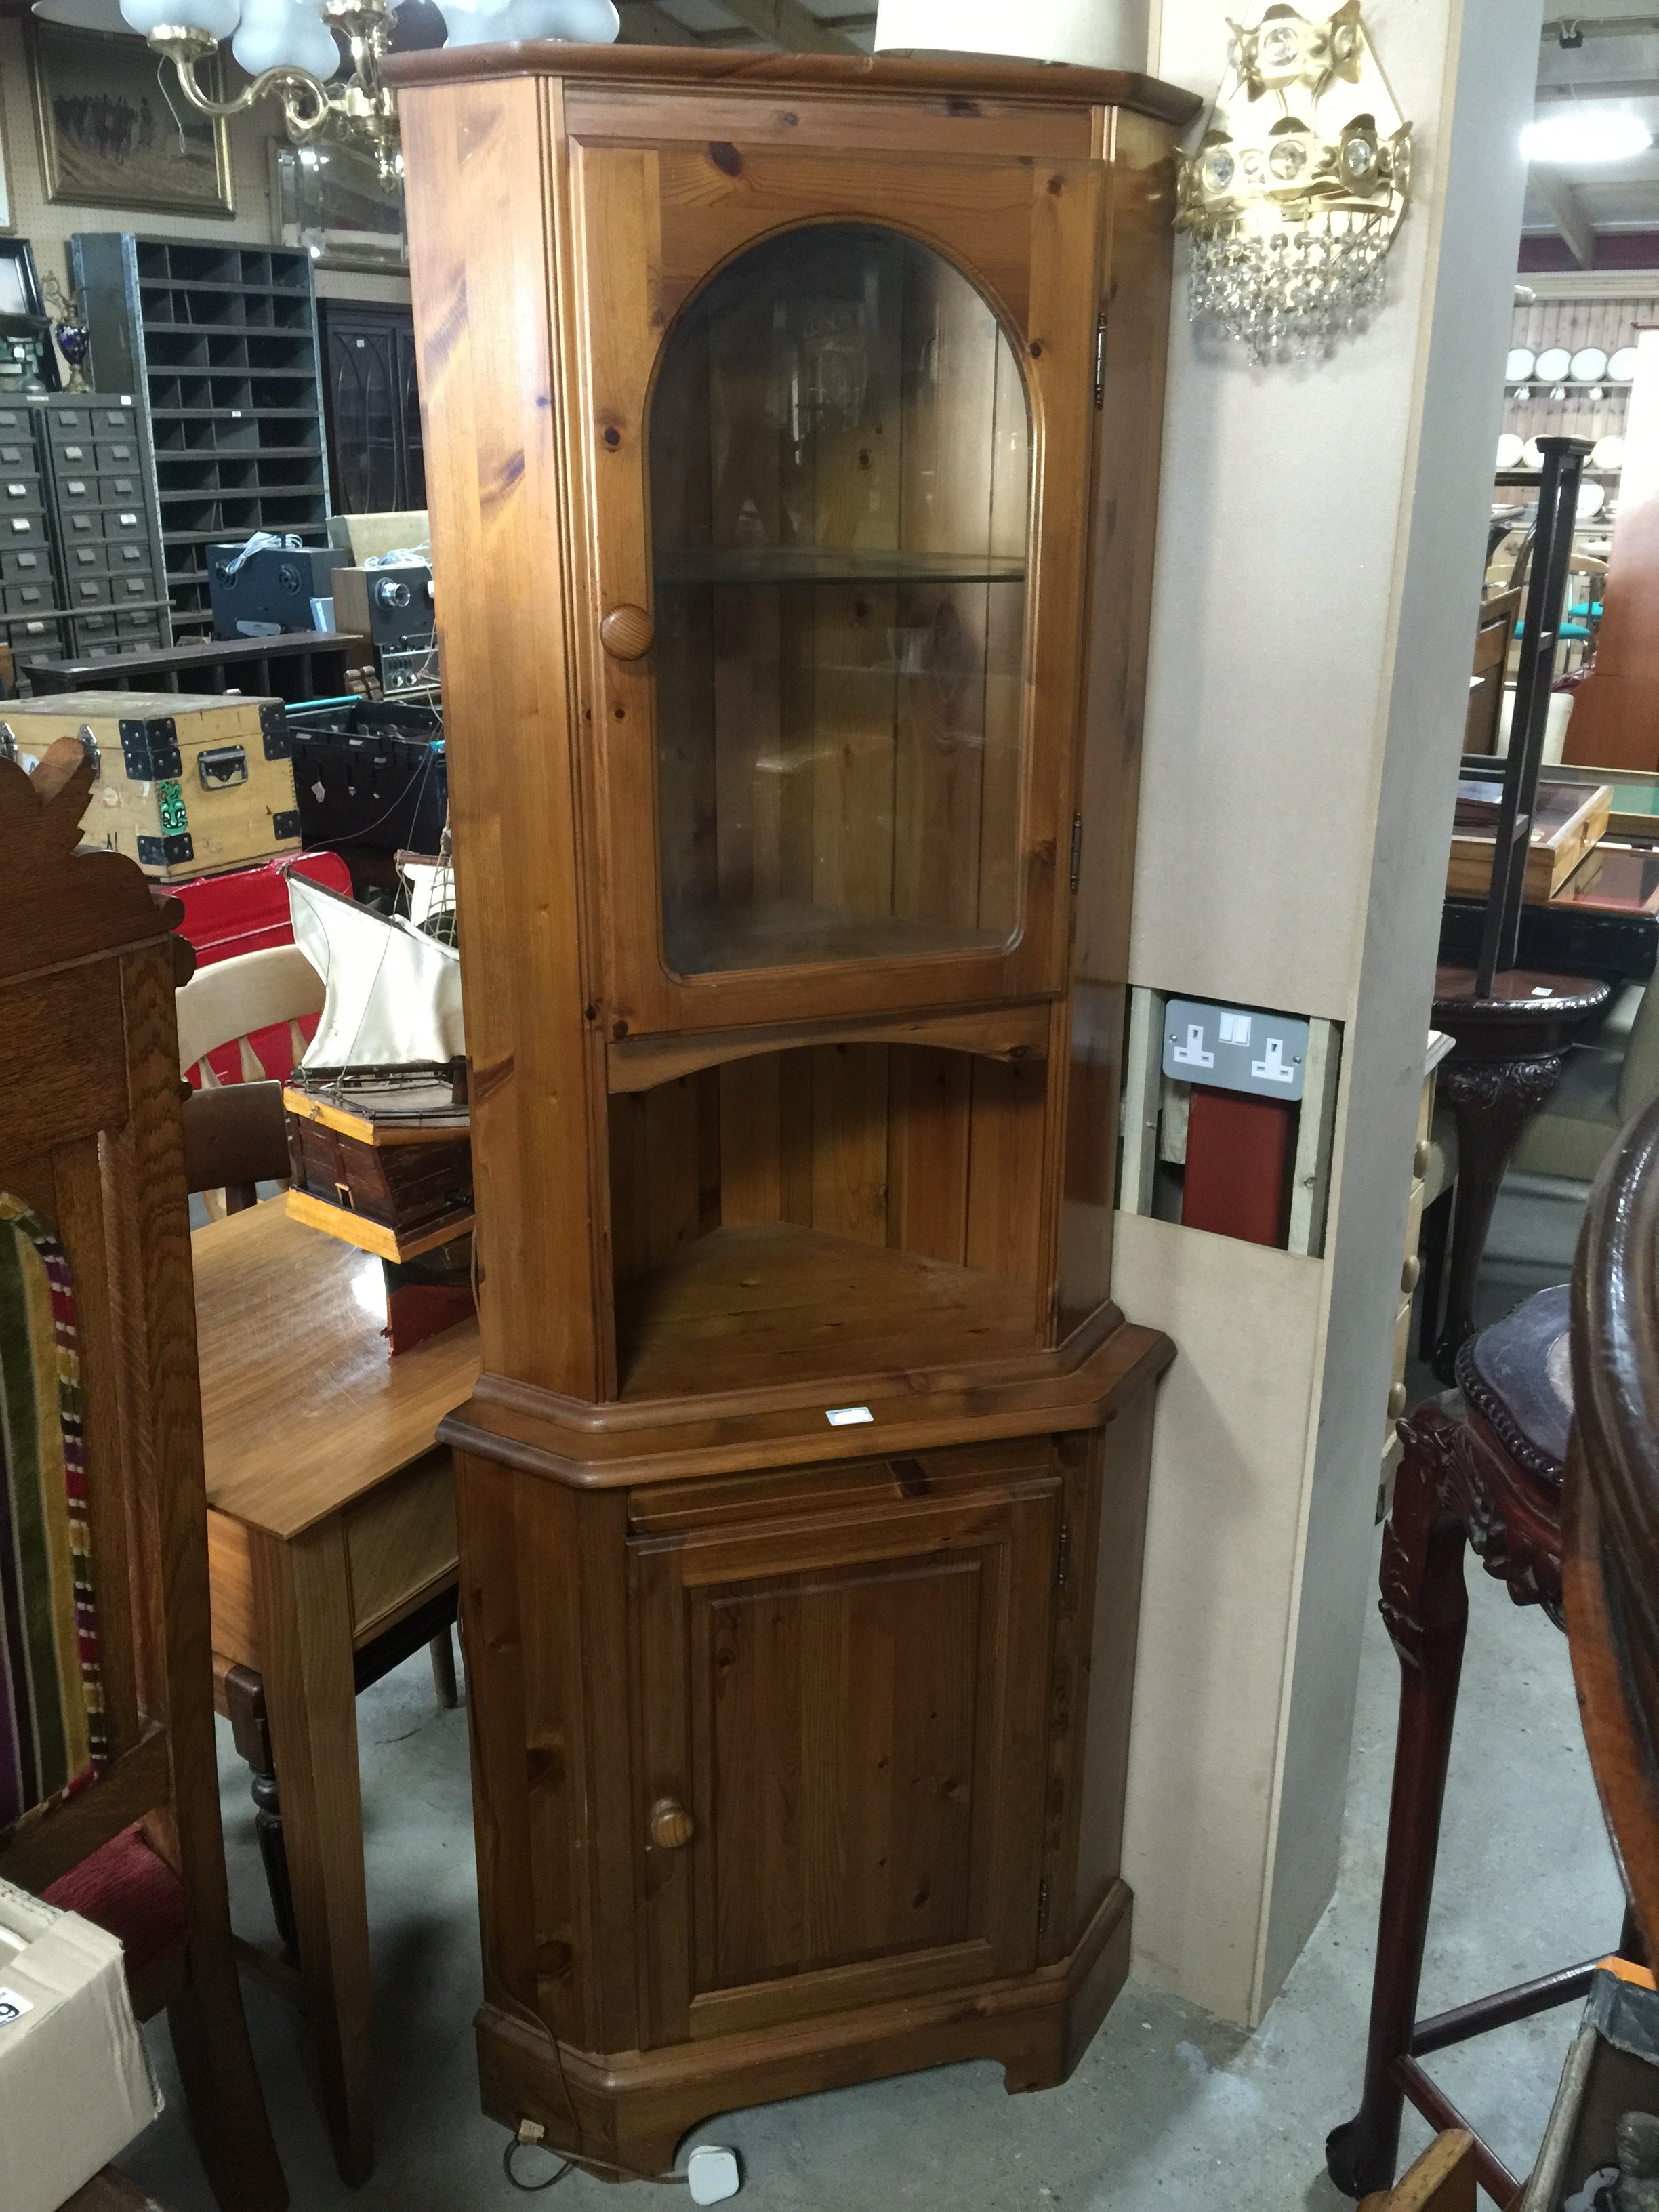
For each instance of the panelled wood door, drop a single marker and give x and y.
(842, 1680)
(835, 438)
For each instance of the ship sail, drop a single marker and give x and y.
(393, 994)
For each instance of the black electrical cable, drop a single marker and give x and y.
(573, 2165)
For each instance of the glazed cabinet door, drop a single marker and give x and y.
(841, 1699)
(836, 425)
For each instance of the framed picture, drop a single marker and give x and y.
(331, 201)
(111, 136)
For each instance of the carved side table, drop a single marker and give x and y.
(1483, 1467)
(1508, 1055)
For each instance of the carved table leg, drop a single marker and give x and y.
(1426, 1609)
(1508, 1054)
(245, 1704)
(1493, 1100)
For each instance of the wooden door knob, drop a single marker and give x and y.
(1396, 1401)
(1420, 1159)
(672, 1826)
(1409, 1275)
(627, 632)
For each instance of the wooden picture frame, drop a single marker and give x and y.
(8, 215)
(109, 132)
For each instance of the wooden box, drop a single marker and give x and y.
(1568, 818)
(396, 1188)
(187, 783)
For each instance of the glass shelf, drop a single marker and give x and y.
(753, 566)
(787, 933)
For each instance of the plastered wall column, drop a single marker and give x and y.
(1321, 534)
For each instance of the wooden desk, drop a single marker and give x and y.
(332, 1519)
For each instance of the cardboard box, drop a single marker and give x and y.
(75, 2086)
(188, 783)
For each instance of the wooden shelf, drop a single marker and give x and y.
(776, 1303)
(832, 564)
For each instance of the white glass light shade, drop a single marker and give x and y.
(284, 35)
(586, 22)
(1098, 34)
(217, 17)
(83, 15)
(1586, 133)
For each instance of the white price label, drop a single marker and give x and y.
(12, 2007)
(846, 1417)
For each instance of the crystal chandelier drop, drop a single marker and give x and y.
(291, 51)
(1295, 194)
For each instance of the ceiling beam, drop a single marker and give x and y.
(1611, 88)
(1567, 212)
(1598, 27)
(644, 24)
(789, 25)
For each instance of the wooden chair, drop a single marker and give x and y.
(231, 1002)
(235, 1137)
(1611, 1567)
(1442, 2180)
(113, 1800)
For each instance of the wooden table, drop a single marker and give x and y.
(331, 1520)
(1506, 1058)
(294, 665)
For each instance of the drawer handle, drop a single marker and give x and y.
(1396, 1401)
(626, 632)
(672, 1826)
(1420, 1159)
(1409, 1273)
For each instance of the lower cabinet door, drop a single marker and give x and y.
(841, 1699)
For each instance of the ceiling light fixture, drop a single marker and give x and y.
(1586, 135)
(290, 51)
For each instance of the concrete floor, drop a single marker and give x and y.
(1168, 2108)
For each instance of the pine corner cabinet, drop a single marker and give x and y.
(792, 434)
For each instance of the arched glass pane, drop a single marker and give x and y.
(839, 486)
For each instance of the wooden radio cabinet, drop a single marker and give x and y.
(791, 440)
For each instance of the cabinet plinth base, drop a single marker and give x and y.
(632, 2108)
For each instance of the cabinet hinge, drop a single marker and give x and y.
(1100, 359)
(1043, 1907)
(1063, 1560)
(1076, 848)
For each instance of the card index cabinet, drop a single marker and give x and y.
(792, 431)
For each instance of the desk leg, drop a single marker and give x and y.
(302, 1599)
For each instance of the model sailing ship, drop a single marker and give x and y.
(377, 1114)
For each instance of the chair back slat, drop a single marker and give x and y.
(231, 1002)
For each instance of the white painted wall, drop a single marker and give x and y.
(1320, 532)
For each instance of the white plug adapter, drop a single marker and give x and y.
(712, 2170)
